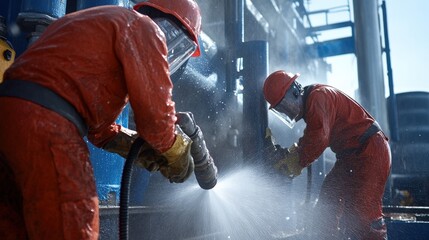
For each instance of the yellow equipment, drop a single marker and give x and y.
(7, 52)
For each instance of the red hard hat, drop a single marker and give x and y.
(276, 86)
(186, 11)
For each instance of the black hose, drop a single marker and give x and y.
(125, 188)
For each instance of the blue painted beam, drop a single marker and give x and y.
(333, 47)
(314, 30)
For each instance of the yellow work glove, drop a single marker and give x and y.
(122, 142)
(180, 164)
(290, 165)
(274, 151)
(150, 159)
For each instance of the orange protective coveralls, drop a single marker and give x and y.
(351, 194)
(97, 59)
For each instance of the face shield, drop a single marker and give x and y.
(290, 122)
(289, 107)
(180, 45)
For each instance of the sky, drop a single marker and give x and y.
(409, 48)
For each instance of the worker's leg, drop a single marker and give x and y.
(324, 220)
(363, 212)
(350, 201)
(52, 170)
(12, 226)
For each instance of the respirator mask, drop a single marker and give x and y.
(180, 45)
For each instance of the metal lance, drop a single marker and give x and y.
(205, 169)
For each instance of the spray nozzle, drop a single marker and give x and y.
(205, 169)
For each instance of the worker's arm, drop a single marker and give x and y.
(143, 54)
(320, 115)
(122, 142)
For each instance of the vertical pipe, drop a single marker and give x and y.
(393, 114)
(369, 60)
(255, 112)
(53, 8)
(234, 36)
(36, 15)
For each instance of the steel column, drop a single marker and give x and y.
(369, 60)
(255, 110)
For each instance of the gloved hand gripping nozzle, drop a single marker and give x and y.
(205, 169)
(284, 160)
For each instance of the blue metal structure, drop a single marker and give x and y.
(255, 113)
(410, 230)
(108, 170)
(10, 9)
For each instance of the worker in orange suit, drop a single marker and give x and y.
(350, 200)
(74, 82)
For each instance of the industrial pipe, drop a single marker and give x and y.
(205, 169)
(36, 16)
